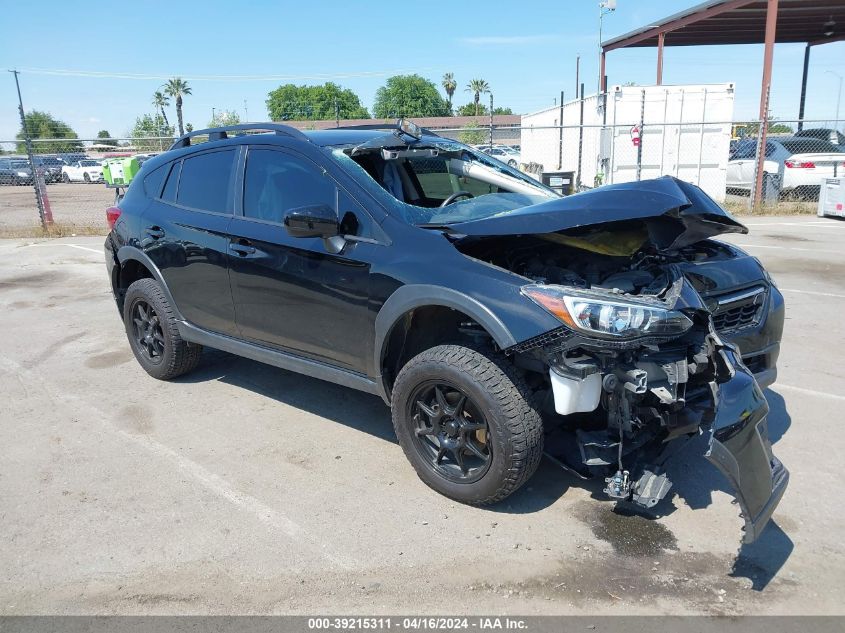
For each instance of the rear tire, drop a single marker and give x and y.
(65, 178)
(153, 333)
(488, 464)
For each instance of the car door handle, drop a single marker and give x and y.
(155, 232)
(242, 248)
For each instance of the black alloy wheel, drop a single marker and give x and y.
(147, 333)
(450, 432)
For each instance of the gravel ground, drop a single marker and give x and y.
(72, 204)
(248, 489)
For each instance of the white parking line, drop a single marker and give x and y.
(813, 292)
(84, 248)
(79, 246)
(273, 519)
(825, 223)
(808, 392)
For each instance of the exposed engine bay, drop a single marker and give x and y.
(614, 404)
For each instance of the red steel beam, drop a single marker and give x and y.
(679, 23)
(660, 38)
(768, 50)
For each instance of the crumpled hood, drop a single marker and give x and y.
(675, 213)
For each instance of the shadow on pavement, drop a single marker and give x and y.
(761, 560)
(355, 409)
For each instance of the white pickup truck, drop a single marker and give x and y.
(87, 170)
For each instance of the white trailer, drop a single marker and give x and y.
(647, 131)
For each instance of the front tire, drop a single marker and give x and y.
(468, 423)
(153, 333)
(86, 178)
(65, 178)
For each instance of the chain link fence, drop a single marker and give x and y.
(719, 156)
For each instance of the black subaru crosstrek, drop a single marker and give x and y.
(494, 316)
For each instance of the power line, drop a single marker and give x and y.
(96, 74)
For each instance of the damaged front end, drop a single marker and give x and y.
(637, 363)
(623, 400)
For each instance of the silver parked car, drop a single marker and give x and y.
(800, 164)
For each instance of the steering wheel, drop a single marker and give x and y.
(455, 196)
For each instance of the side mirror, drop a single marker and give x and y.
(312, 221)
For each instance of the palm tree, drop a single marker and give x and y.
(449, 85)
(177, 88)
(160, 102)
(478, 87)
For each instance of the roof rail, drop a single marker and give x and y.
(219, 133)
(377, 126)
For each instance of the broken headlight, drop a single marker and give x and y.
(606, 318)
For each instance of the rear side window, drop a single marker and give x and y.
(205, 182)
(169, 193)
(154, 181)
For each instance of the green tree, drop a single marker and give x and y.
(224, 118)
(42, 125)
(409, 96)
(477, 87)
(104, 138)
(501, 110)
(449, 85)
(472, 134)
(314, 103)
(780, 128)
(177, 88)
(469, 109)
(160, 102)
(753, 129)
(151, 133)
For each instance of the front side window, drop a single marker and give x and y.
(205, 182)
(276, 182)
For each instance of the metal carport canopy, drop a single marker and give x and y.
(741, 22)
(715, 22)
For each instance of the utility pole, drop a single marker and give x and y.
(336, 113)
(246, 113)
(577, 74)
(605, 7)
(838, 96)
(491, 119)
(45, 217)
(560, 135)
(213, 117)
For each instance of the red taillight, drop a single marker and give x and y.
(802, 165)
(112, 214)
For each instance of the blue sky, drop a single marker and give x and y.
(526, 51)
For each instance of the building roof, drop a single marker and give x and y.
(741, 22)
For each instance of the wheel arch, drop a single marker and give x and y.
(130, 257)
(397, 314)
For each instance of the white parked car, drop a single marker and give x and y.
(87, 170)
(800, 163)
(504, 153)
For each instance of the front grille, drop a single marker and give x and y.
(739, 309)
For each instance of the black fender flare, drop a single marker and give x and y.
(413, 296)
(126, 253)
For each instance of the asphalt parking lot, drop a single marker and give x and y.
(247, 489)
